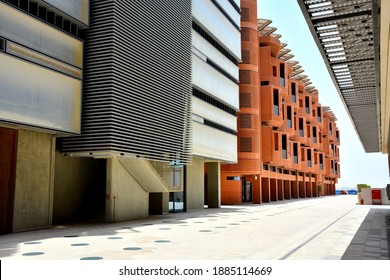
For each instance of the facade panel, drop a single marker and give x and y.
(206, 13)
(135, 104)
(78, 9)
(210, 112)
(213, 82)
(212, 53)
(33, 95)
(27, 31)
(214, 144)
(230, 10)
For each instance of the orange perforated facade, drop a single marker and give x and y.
(288, 144)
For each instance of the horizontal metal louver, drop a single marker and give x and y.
(137, 81)
(347, 34)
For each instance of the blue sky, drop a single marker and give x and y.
(357, 166)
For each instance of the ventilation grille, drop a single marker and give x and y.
(245, 120)
(245, 77)
(245, 100)
(137, 83)
(245, 144)
(245, 14)
(245, 34)
(246, 56)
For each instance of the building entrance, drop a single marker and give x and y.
(246, 190)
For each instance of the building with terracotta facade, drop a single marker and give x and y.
(288, 143)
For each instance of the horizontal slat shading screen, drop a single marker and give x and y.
(137, 81)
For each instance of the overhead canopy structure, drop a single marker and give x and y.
(347, 35)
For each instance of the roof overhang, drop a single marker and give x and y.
(385, 73)
(347, 35)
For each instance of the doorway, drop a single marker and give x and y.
(246, 190)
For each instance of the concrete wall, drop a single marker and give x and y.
(385, 199)
(79, 187)
(126, 199)
(367, 196)
(195, 185)
(33, 185)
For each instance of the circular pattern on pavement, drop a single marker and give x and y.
(33, 254)
(132, 248)
(79, 244)
(91, 258)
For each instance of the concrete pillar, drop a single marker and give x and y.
(214, 184)
(195, 185)
(265, 190)
(33, 203)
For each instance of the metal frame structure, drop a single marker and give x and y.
(347, 35)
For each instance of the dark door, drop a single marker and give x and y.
(8, 144)
(243, 189)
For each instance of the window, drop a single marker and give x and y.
(295, 152)
(309, 163)
(337, 136)
(293, 92)
(289, 116)
(233, 178)
(319, 119)
(276, 102)
(301, 132)
(276, 141)
(284, 146)
(314, 135)
(321, 161)
(282, 74)
(274, 71)
(307, 105)
(330, 129)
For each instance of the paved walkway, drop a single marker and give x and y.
(318, 228)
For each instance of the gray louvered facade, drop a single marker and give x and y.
(137, 82)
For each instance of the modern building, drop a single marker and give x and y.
(41, 58)
(287, 142)
(113, 110)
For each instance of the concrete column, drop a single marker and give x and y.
(195, 185)
(214, 184)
